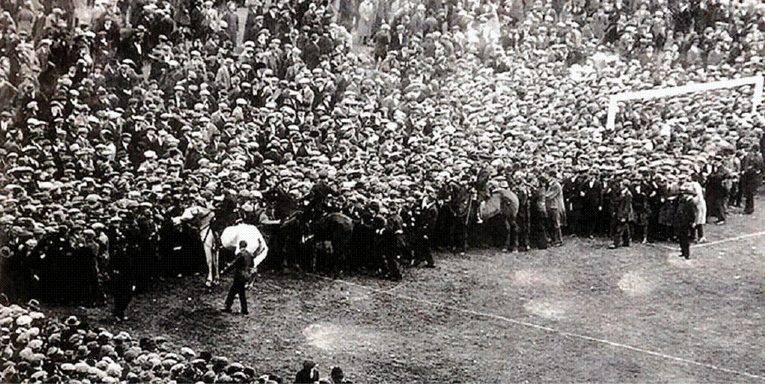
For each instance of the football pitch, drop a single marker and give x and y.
(576, 313)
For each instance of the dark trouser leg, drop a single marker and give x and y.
(122, 296)
(685, 242)
(555, 230)
(617, 233)
(538, 230)
(424, 251)
(237, 289)
(700, 231)
(121, 302)
(391, 265)
(242, 296)
(591, 225)
(736, 197)
(720, 208)
(231, 294)
(523, 232)
(749, 201)
(643, 231)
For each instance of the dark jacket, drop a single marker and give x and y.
(685, 212)
(242, 265)
(623, 206)
(307, 376)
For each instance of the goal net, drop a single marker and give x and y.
(613, 102)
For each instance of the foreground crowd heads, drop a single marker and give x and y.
(38, 349)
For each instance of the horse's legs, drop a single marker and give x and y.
(340, 248)
(215, 261)
(208, 261)
(465, 232)
(211, 259)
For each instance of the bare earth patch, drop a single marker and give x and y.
(635, 284)
(333, 337)
(553, 310)
(706, 310)
(679, 262)
(535, 277)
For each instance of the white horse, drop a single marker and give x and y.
(201, 218)
(256, 244)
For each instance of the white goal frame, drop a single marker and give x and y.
(613, 101)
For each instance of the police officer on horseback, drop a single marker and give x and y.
(481, 185)
(317, 198)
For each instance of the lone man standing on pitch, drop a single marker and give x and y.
(243, 264)
(684, 218)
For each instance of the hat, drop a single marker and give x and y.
(72, 321)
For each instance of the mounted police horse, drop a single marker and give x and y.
(309, 242)
(201, 218)
(501, 205)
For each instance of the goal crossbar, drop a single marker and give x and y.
(683, 89)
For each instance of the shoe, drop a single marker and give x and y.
(721, 222)
(702, 240)
(245, 313)
(612, 246)
(687, 257)
(226, 310)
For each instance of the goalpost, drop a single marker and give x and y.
(613, 101)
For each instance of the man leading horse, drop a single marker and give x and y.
(203, 219)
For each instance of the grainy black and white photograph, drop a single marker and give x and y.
(382, 191)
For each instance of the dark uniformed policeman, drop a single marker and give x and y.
(621, 215)
(425, 217)
(121, 268)
(684, 218)
(242, 265)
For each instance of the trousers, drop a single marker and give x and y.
(684, 236)
(237, 289)
(621, 233)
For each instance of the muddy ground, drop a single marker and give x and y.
(577, 313)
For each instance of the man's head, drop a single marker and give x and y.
(242, 244)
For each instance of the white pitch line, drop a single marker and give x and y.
(394, 288)
(728, 240)
(551, 330)
(711, 243)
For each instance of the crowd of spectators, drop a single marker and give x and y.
(39, 349)
(150, 106)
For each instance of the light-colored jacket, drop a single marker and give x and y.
(701, 204)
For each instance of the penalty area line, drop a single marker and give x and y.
(544, 328)
(710, 243)
(728, 240)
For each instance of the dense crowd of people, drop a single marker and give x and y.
(113, 125)
(39, 349)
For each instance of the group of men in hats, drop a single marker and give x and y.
(114, 132)
(38, 349)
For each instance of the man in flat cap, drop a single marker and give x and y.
(622, 215)
(243, 265)
(684, 218)
(752, 167)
